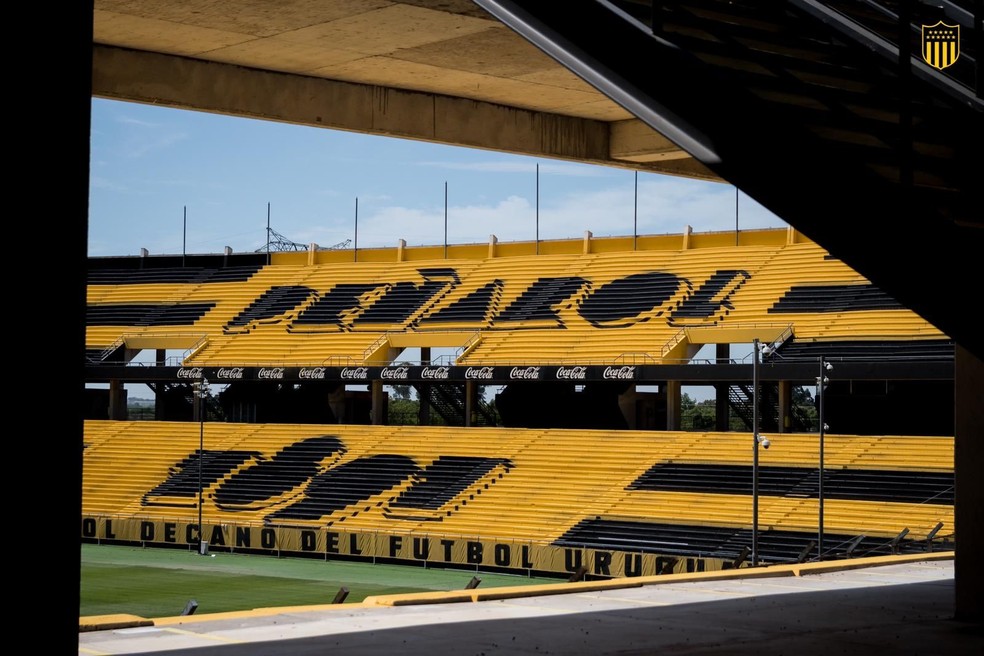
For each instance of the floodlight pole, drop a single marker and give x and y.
(635, 212)
(821, 384)
(755, 449)
(537, 208)
(200, 389)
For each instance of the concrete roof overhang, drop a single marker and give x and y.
(442, 71)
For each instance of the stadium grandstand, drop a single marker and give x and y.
(549, 436)
(830, 114)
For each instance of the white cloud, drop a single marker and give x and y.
(98, 182)
(511, 216)
(137, 146)
(129, 120)
(665, 206)
(548, 168)
(141, 137)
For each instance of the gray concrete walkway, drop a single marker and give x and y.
(904, 608)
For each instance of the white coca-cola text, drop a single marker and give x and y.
(572, 373)
(478, 373)
(396, 373)
(436, 373)
(524, 373)
(356, 372)
(234, 372)
(194, 372)
(618, 373)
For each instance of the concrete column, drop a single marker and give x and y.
(196, 406)
(378, 403)
(161, 358)
(336, 401)
(722, 410)
(627, 401)
(785, 405)
(117, 401)
(471, 402)
(968, 464)
(673, 396)
(423, 412)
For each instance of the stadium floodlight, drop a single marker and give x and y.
(757, 441)
(822, 381)
(473, 583)
(200, 389)
(756, 356)
(190, 608)
(340, 595)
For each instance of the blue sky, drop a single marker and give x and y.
(149, 165)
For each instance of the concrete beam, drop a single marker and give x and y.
(194, 84)
(634, 141)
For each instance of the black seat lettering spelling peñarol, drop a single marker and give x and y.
(348, 484)
(269, 479)
(330, 309)
(632, 299)
(538, 302)
(406, 301)
(711, 300)
(621, 302)
(399, 302)
(476, 307)
(274, 302)
(145, 314)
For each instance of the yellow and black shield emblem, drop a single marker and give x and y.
(940, 44)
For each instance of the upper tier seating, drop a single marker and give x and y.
(595, 308)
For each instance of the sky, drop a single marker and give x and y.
(174, 181)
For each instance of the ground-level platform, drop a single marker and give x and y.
(890, 605)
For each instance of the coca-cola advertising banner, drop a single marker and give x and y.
(404, 373)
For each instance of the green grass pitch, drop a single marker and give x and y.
(151, 583)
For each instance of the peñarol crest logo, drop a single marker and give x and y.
(940, 44)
